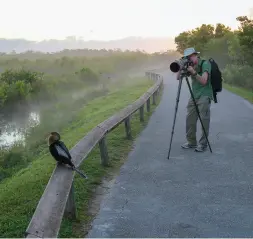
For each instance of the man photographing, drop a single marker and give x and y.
(203, 94)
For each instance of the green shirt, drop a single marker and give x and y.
(197, 88)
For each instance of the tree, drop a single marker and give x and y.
(235, 51)
(88, 76)
(183, 40)
(245, 36)
(196, 38)
(201, 35)
(221, 30)
(217, 48)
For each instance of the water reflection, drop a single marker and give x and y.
(14, 127)
(33, 119)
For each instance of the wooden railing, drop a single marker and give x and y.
(58, 197)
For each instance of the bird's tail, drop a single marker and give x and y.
(80, 172)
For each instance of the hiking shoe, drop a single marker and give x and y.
(201, 148)
(188, 146)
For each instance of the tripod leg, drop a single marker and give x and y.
(175, 115)
(197, 109)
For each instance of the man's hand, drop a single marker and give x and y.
(191, 70)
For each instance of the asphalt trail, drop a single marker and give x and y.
(192, 194)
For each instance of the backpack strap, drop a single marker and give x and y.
(201, 66)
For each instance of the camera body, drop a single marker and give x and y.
(181, 65)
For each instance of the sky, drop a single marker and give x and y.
(113, 19)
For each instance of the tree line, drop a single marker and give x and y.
(232, 49)
(32, 76)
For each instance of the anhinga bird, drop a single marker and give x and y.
(60, 152)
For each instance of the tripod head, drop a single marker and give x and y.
(181, 65)
(185, 74)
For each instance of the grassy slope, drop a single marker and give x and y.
(246, 94)
(21, 193)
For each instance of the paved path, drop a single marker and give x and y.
(192, 194)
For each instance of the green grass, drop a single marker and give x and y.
(246, 94)
(20, 194)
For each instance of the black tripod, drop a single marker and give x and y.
(196, 107)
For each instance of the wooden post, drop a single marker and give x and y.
(70, 209)
(103, 152)
(128, 128)
(142, 113)
(148, 105)
(154, 98)
(161, 87)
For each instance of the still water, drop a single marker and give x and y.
(14, 125)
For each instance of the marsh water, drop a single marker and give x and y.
(15, 123)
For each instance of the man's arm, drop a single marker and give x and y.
(206, 68)
(202, 79)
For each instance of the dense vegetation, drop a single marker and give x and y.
(30, 76)
(232, 49)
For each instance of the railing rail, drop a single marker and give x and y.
(58, 197)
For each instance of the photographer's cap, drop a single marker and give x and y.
(189, 51)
